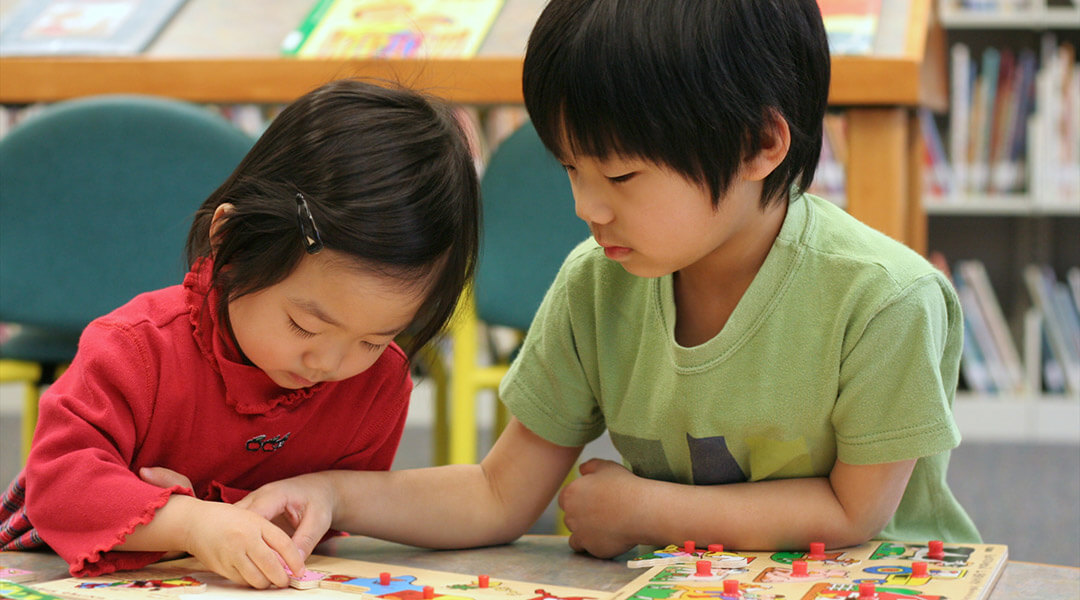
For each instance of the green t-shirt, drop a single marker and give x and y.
(845, 346)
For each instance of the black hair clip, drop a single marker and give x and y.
(312, 240)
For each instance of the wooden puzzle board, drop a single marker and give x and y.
(406, 584)
(967, 572)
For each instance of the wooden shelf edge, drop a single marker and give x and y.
(1024, 419)
(260, 80)
(856, 80)
(875, 81)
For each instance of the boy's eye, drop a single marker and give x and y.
(300, 330)
(622, 178)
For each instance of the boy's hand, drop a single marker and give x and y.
(598, 509)
(305, 501)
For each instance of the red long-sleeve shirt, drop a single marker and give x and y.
(157, 383)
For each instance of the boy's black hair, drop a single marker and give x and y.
(389, 180)
(689, 84)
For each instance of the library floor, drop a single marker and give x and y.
(1026, 495)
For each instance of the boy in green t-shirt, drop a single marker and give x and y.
(772, 371)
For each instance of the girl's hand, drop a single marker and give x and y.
(306, 502)
(598, 509)
(242, 546)
(165, 478)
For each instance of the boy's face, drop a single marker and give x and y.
(653, 221)
(326, 321)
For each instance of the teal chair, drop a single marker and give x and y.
(529, 227)
(97, 196)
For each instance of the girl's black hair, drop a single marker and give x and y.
(690, 84)
(388, 177)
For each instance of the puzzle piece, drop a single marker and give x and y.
(16, 575)
(689, 554)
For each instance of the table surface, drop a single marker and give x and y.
(548, 559)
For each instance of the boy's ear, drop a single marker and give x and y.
(221, 214)
(775, 143)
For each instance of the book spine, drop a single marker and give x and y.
(959, 114)
(1012, 376)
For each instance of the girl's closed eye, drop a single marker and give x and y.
(300, 330)
(373, 347)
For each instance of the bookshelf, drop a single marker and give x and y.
(1036, 221)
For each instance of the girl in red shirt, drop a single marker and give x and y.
(352, 220)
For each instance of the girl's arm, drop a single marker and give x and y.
(453, 506)
(235, 543)
(609, 509)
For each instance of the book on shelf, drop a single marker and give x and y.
(974, 367)
(1054, 127)
(84, 27)
(380, 29)
(1061, 322)
(1010, 369)
(981, 337)
(851, 25)
(960, 84)
(937, 174)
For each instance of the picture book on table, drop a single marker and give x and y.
(80, 27)
(393, 29)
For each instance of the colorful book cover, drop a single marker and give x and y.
(393, 29)
(851, 25)
(95, 27)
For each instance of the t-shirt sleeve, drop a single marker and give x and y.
(547, 388)
(82, 496)
(898, 379)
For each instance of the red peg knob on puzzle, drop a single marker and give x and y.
(731, 588)
(429, 592)
(384, 579)
(704, 568)
(689, 547)
(483, 581)
(817, 551)
(936, 550)
(717, 548)
(919, 569)
(798, 569)
(867, 591)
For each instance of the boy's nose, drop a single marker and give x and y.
(591, 208)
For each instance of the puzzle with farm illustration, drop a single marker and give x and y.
(872, 571)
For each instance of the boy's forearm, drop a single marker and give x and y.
(849, 507)
(764, 515)
(449, 506)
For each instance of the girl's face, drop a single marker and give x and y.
(326, 321)
(652, 220)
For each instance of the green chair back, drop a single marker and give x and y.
(529, 227)
(97, 196)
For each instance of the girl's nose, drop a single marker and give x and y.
(323, 361)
